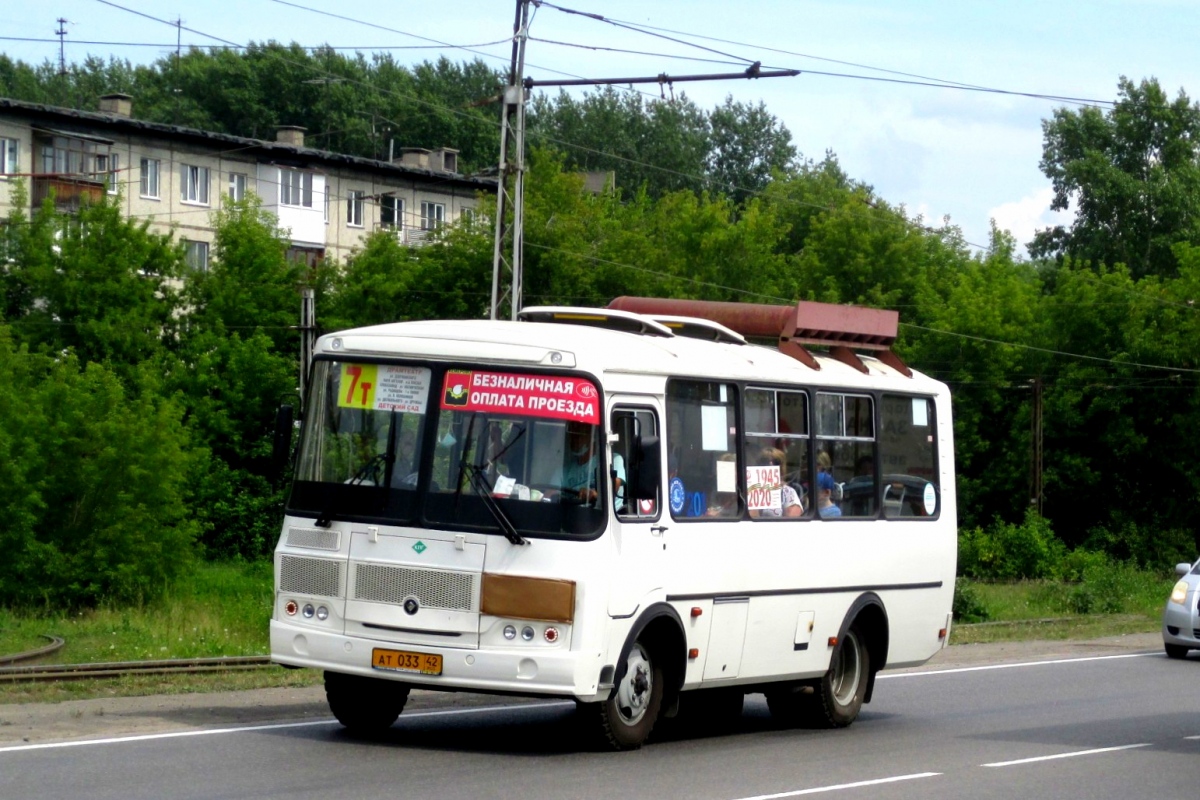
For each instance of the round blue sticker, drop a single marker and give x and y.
(678, 496)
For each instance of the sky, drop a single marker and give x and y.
(938, 151)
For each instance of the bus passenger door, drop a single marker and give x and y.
(639, 533)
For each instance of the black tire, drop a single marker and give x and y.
(1175, 650)
(627, 717)
(364, 705)
(838, 695)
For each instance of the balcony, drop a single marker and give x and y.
(414, 237)
(68, 191)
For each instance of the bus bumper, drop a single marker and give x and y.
(532, 671)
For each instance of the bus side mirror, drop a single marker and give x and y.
(645, 472)
(281, 446)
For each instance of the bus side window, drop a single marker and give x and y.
(846, 481)
(702, 461)
(634, 428)
(906, 448)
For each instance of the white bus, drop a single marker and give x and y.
(644, 513)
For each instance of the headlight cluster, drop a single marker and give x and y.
(529, 632)
(1179, 593)
(308, 611)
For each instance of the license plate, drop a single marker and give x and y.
(404, 661)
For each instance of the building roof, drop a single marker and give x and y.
(74, 122)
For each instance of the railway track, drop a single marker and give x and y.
(41, 673)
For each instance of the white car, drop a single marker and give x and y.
(1181, 623)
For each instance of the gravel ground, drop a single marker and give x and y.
(124, 716)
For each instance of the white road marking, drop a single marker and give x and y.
(840, 786)
(145, 737)
(1065, 755)
(954, 670)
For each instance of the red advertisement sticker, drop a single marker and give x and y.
(548, 396)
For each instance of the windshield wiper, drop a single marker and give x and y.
(484, 489)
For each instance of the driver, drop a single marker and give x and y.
(580, 470)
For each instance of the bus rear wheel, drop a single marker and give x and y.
(364, 705)
(628, 715)
(838, 695)
(834, 699)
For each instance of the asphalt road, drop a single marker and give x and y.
(1098, 725)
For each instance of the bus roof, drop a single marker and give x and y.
(608, 351)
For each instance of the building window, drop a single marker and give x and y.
(196, 256)
(150, 177)
(391, 211)
(65, 155)
(109, 166)
(237, 186)
(295, 188)
(432, 215)
(8, 156)
(354, 208)
(193, 184)
(305, 256)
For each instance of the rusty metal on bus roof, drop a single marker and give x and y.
(843, 329)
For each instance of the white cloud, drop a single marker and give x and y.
(1031, 213)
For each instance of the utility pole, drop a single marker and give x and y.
(178, 48)
(1035, 465)
(62, 54)
(510, 188)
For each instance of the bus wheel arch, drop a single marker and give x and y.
(647, 680)
(868, 615)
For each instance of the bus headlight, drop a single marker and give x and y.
(510, 632)
(1179, 593)
(322, 613)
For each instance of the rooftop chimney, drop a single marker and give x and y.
(290, 134)
(117, 104)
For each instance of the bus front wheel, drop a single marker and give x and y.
(628, 715)
(364, 705)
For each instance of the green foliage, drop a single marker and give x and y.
(94, 507)
(968, 606)
(1132, 175)
(1006, 551)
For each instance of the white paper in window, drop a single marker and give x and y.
(920, 412)
(504, 486)
(726, 476)
(713, 435)
(724, 394)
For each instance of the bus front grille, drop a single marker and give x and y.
(433, 588)
(316, 576)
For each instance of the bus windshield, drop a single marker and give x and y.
(506, 451)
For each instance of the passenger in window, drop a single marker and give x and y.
(790, 505)
(579, 472)
(825, 505)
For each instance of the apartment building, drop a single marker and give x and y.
(176, 177)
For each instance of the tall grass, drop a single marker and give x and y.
(219, 610)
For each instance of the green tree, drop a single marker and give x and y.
(95, 474)
(748, 146)
(98, 284)
(1132, 175)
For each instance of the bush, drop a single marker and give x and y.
(94, 476)
(968, 607)
(1146, 545)
(1010, 552)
